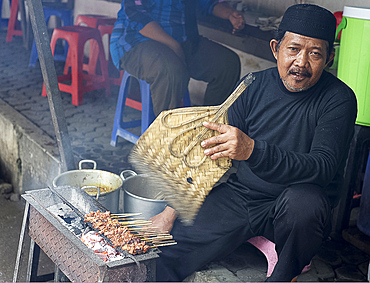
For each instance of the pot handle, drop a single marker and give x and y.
(86, 161)
(92, 187)
(126, 174)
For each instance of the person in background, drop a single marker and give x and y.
(288, 137)
(158, 41)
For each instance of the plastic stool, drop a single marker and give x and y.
(77, 36)
(146, 108)
(93, 21)
(268, 249)
(66, 16)
(13, 23)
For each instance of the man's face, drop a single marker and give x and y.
(300, 60)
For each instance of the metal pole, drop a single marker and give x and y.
(41, 36)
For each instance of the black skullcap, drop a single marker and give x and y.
(310, 20)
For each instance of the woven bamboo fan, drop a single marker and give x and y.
(169, 153)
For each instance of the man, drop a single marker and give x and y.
(158, 41)
(288, 136)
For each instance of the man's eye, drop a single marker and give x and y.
(316, 54)
(293, 49)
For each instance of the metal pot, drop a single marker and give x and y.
(103, 185)
(140, 196)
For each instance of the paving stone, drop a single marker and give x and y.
(352, 255)
(309, 276)
(69, 112)
(215, 273)
(200, 276)
(331, 257)
(94, 134)
(323, 270)
(89, 155)
(71, 128)
(101, 140)
(6, 87)
(349, 273)
(104, 131)
(45, 122)
(364, 268)
(50, 130)
(81, 136)
(245, 256)
(251, 275)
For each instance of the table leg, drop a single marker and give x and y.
(33, 262)
(21, 240)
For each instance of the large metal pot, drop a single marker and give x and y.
(140, 196)
(103, 185)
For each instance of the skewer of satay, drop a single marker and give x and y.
(163, 244)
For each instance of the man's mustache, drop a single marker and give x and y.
(301, 72)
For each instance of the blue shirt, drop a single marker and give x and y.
(135, 14)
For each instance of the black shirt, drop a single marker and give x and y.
(300, 137)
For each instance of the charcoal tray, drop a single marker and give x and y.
(66, 250)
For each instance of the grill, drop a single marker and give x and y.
(69, 253)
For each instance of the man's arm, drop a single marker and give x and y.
(226, 12)
(144, 23)
(154, 31)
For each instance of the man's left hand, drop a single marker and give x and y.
(237, 20)
(231, 142)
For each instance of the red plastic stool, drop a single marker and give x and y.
(93, 21)
(114, 79)
(13, 23)
(268, 249)
(81, 82)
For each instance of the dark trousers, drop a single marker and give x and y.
(297, 222)
(168, 77)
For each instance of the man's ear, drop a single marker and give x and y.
(273, 45)
(331, 59)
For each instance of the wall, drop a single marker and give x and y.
(277, 7)
(99, 7)
(5, 10)
(29, 158)
(268, 7)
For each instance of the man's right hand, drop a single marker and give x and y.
(163, 221)
(231, 142)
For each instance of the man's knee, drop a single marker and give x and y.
(166, 63)
(304, 204)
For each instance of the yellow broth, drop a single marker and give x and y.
(94, 191)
